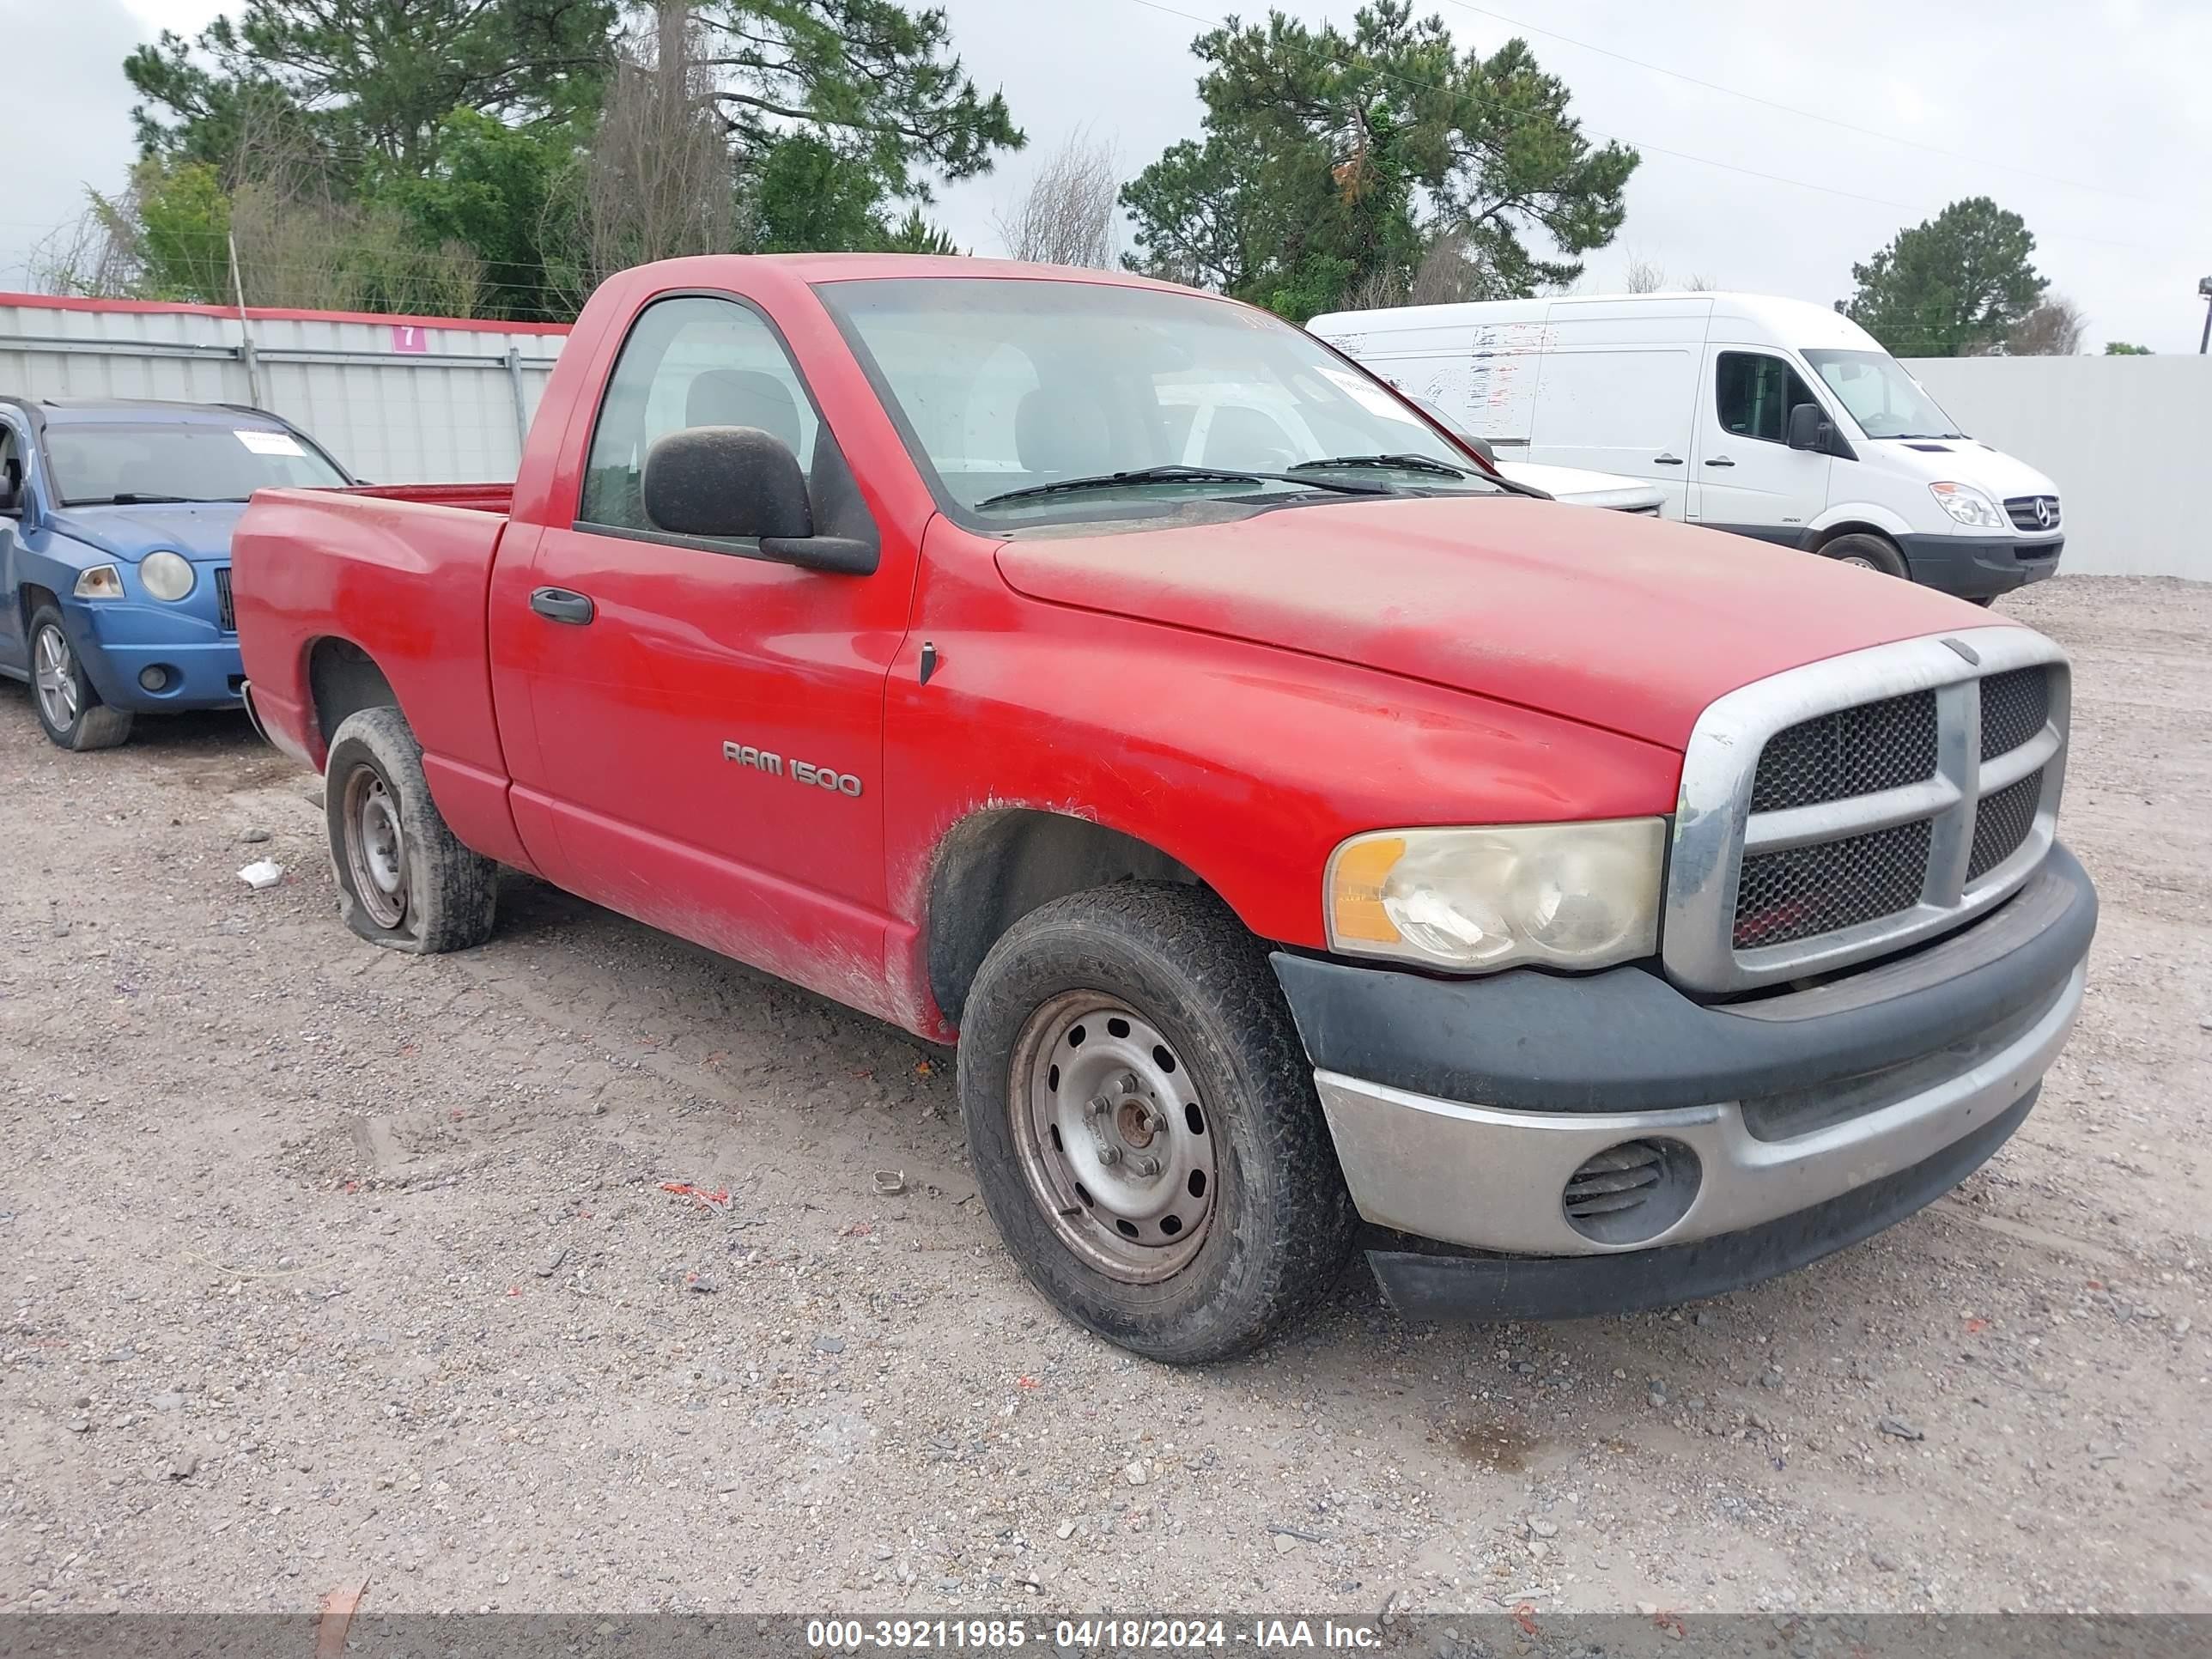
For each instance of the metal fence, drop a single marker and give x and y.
(397, 399)
(2129, 441)
(445, 400)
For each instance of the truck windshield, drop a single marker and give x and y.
(1886, 401)
(1009, 392)
(96, 464)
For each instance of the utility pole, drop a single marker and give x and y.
(244, 329)
(2204, 292)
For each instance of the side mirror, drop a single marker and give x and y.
(1808, 429)
(740, 483)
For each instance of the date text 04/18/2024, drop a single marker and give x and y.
(1083, 1635)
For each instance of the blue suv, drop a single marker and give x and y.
(115, 522)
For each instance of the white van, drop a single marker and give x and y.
(1770, 418)
(1195, 410)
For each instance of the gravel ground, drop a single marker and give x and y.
(324, 1264)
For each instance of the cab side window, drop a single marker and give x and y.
(689, 361)
(1754, 394)
(11, 469)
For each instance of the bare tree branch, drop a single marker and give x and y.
(1069, 215)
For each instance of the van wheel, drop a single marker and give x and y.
(1868, 553)
(1144, 1125)
(404, 881)
(70, 712)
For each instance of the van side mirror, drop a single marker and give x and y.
(740, 483)
(1808, 429)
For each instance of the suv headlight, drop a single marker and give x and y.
(1967, 505)
(166, 575)
(1567, 894)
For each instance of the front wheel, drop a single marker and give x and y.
(1144, 1124)
(70, 712)
(1868, 553)
(405, 881)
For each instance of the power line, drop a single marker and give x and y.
(1807, 114)
(1644, 146)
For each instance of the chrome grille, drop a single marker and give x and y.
(1839, 811)
(1807, 891)
(2029, 512)
(1853, 751)
(2016, 706)
(2004, 822)
(223, 604)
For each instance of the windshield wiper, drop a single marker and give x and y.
(1398, 463)
(1177, 474)
(139, 498)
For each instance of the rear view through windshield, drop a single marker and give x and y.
(95, 464)
(1004, 386)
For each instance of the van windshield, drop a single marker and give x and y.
(1031, 401)
(1886, 401)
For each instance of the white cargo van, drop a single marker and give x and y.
(1770, 418)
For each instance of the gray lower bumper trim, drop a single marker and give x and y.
(1491, 1179)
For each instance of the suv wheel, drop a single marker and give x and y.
(70, 711)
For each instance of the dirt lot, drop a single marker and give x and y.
(324, 1263)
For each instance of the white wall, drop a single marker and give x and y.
(2129, 441)
(444, 412)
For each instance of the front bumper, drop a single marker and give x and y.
(1461, 1109)
(1981, 567)
(118, 639)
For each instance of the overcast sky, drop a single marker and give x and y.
(2094, 121)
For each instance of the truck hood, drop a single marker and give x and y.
(1629, 624)
(130, 533)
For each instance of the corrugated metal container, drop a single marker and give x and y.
(397, 399)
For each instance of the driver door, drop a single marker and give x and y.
(1744, 476)
(707, 722)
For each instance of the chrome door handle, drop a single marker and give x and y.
(1664, 459)
(1720, 460)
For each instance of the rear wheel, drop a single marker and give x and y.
(1868, 553)
(1144, 1124)
(70, 711)
(403, 880)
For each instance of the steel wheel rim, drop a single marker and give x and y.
(1860, 560)
(376, 847)
(1097, 1094)
(54, 674)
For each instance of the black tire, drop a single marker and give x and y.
(70, 711)
(1875, 552)
(445, 894)
(1280, 1223)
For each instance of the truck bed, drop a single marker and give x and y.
(340, 590)
(474, 497)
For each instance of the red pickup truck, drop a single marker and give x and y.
(1315, 844)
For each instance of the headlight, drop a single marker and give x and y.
(1967, 505)
(166, 575)
(1570, 895)
(102, 581)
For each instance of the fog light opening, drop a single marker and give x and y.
(1631, 1193)
(156, 676)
